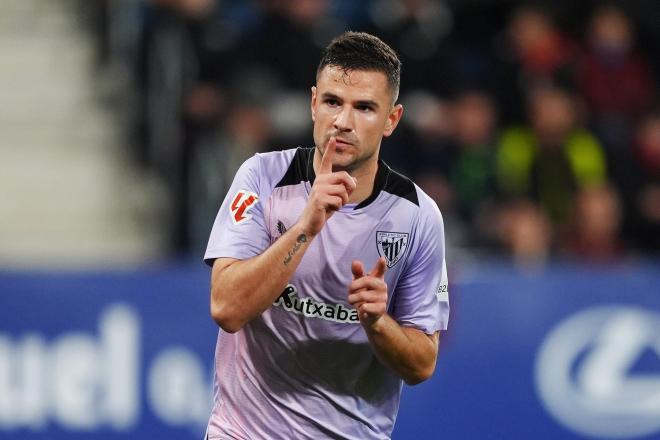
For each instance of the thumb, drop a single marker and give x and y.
(357, 268)
(379, 269)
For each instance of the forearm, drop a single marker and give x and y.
(245, 288)
(408, 352)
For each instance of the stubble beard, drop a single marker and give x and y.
(356, 163)
(358, 160)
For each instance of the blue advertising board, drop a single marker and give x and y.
(562, 353)
(567, 353)
(106, 356)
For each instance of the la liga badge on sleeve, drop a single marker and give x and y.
(241, 204)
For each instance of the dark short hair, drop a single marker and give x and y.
(363, 51)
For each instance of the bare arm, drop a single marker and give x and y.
(243, 289)
(409, 352)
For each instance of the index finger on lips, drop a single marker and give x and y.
(328, 155)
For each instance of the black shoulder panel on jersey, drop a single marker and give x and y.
(392, 182)
(401, 186)
(299, 168)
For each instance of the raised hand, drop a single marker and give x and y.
(329, 193)
(368, 293)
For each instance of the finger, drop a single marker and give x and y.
(349, 182)
(328, 155)
(379, 269)
(339, 178)
(355, 300)
(373, 309)
(338, 190)
(367, 282)
(332, 203)
(367, 296)
(357, 268)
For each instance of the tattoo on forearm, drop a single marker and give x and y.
(302, 238)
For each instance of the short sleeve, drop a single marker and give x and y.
(240, 230)
(421, 297)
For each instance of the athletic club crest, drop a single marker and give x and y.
(391, 245)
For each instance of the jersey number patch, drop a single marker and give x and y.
(241, 204)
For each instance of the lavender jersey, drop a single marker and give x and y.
(304, 369)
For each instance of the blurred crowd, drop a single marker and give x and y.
(534, 125)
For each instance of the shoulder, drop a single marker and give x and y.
(423, 206)
(429, 212)
(429, 229)
(274, 159)
(269, 167)
(399, 185)
(402, 186)
(296, 166)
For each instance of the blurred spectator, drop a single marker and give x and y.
(167, 72)
(215, 37)
(279, 57)
(614, 79)
(289, 41)
(425, 145)
(472, 174)
(417, 29)
(537, 53)
(642, 186)
(553, 158)
(525, 232)
(456, 162)
(221, 79)
(465, 166)
(217, 155)
(593, 235)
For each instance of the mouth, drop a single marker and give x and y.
(343, 143)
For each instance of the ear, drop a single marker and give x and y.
(313, 103)
(393, 120)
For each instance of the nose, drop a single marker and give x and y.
(344, 119)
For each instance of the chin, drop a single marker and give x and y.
(341, 166)
(346, 165)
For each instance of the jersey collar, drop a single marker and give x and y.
(379, 182)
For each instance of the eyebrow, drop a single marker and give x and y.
(365, 102)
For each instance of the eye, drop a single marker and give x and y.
(364, 108)
(332, 102)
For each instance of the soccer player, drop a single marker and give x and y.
(329, 277)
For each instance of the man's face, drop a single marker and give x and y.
(356, 108)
